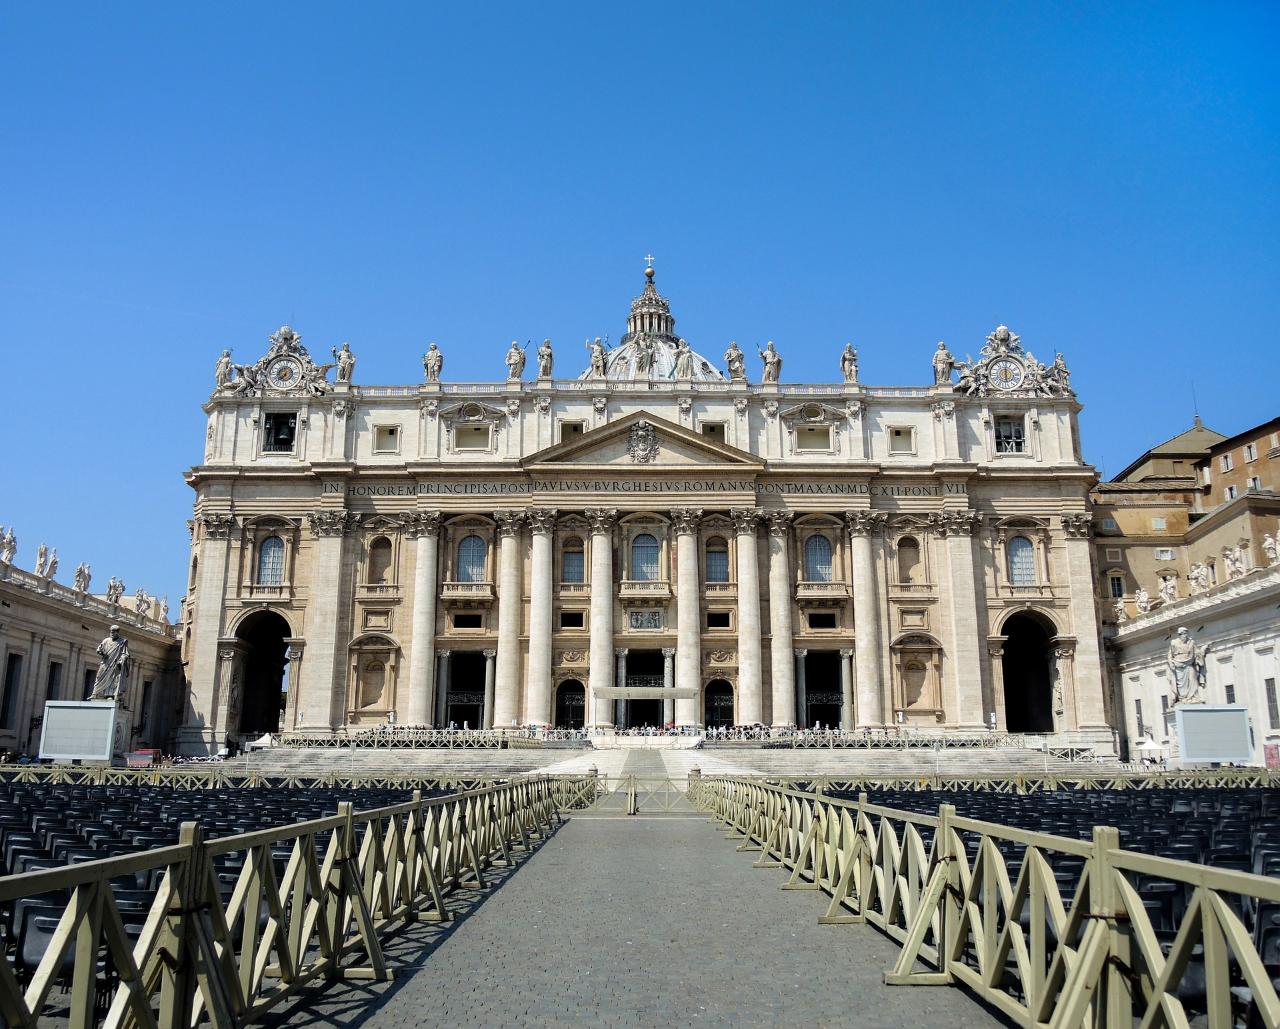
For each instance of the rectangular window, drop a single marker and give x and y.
(12, 677)
(822, 620)
(471, 437)
(1255, 483)
(572, 567)
(1231, 694)
(279, 432)
(1164, 553)
(386, 439)
(1231, 493)
(1117, 587)
(1110, 525)
(1158, 522)
(813, 437)
(1113, 553)
(902, 440)
(468, 621)
(1273, 706)
(146, 704)
(1137, 710)
(717, 566)
(713, 431)
(54, 682)
(1164, 710)
(571, 430)
(573, 619)
(1227, 463)
(1251, 451)
(1010, 435)
(717, 619)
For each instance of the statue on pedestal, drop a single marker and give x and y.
(8, 547)
(52, 567)
(849, 363)
(115, 590)
(80, 580)
(113, 673)
(42, 555)
(222, 372)
(1233, 558)
(1142, 601)
(598, 349)
(1121, 615)
(142, 603)
(1199, 577)
(772, 363)
(1271, 549)
(943, 364)
(1168, 589)
(515, 361)
(544, 359)
(346, 363)
(735, 362)
(432, 363)
(1186, 667)
(684, 361)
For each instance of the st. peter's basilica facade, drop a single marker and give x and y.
(655, 541)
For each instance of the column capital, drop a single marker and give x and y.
(422, 523)
(846, 652)
(955, 523)
(745, 519)
(601, 519)
(331, 523)
(443, 653)
(995, 645)
(509, 522)
(541, 519)
(779, 522)
(1077, 525)
(668, 652)
(489, 655)
(620, 651)
(865, 523)
(217, 526)
(801, 652)
(294, 652)
(685, 520)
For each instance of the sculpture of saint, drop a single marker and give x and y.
(1168, 589)
(52, 567)
(113, 673)
(735, 362)
(849, 363)
(222, 372)
(115, 590)
(515, 361)
(1186, 667)
(142, 603)
(1059, 376)
(684, 361)
(162, 608)
(8, 547)
(544, 360)
(82, 577)
(1271, 549)
(1121, 615)
(432, 363)
(42, 555)
(943, 363)
(644, 358)
(597, 349)
(346, 363)
(1233, 558)
(1142, 600)
(772, 363)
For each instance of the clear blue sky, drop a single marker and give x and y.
(1102, 178)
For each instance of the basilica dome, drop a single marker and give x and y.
(649, 350)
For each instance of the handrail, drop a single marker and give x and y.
(348, 878)
(1082, 952)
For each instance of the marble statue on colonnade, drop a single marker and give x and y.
(42, 555)
(1168, 589)
(772, 363)
(849, 363)
(515, 361)
(432, 363)
(735, 362)
(943, 364)
(346, 363)
(80, 580)
(115, 590)
(1142, 600)
(1198, 577)
(8, 547)
(545, 358)
(113, 673)
(1271, 549)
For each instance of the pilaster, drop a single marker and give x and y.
(750, 702)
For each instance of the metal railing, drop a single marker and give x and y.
(1049, 930)
(310, 900)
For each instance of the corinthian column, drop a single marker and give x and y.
(324, 694)
(688, 626)
(537, 697)
(600, 675)
(423, 526)
(863, 525)
(750, 707)
(1089, 709)
(966, 665)
(510, 605)
(781, 658)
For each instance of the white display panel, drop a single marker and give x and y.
(78, 730)
(1214, 734)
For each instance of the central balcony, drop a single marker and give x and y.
(821, 590)
(645, 589)
(467, 593)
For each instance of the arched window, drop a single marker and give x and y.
(909, 569)
(471, 559)
(817, 559)
(380, 553)
(572, 563)
(644, 558)
(271, 561)
(717, 560)
(1022, 561)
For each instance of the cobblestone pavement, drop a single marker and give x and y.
(640, 922)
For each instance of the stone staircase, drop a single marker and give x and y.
(464, 763)
(858, 762)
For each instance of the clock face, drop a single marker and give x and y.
(284, 373)
(1005, 373)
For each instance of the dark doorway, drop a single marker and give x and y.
(1028, 689)
(644, 670)
(717, 701)
(571, 705)
(464, 703)
(262, 695)
(822, 689)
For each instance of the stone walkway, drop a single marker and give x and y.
(639, 922)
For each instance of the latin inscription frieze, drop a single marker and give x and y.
(535, 487)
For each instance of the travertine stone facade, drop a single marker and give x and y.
(654, 541)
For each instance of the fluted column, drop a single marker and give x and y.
(510, 604)
(846, 689)
(424, 527)
(490, 690)
(668, 681)
(620, 679)
(600, 675)
(781, 638)
(537, 696)
(750, 704)
(688, 606)
(863, 525)
(442, 689)
(802, 690)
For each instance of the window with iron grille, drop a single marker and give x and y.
(279, 430)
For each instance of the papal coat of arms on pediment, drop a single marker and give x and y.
(642, 444)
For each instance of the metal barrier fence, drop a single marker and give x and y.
(1064, 940)
(309, 900)
(1223, 778)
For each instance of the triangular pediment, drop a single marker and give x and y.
(642, 441)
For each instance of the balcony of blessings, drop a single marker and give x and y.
(533, 487)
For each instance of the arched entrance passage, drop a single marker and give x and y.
(1028, 681)
(717, 704)
(571, 705)
(262, 696)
